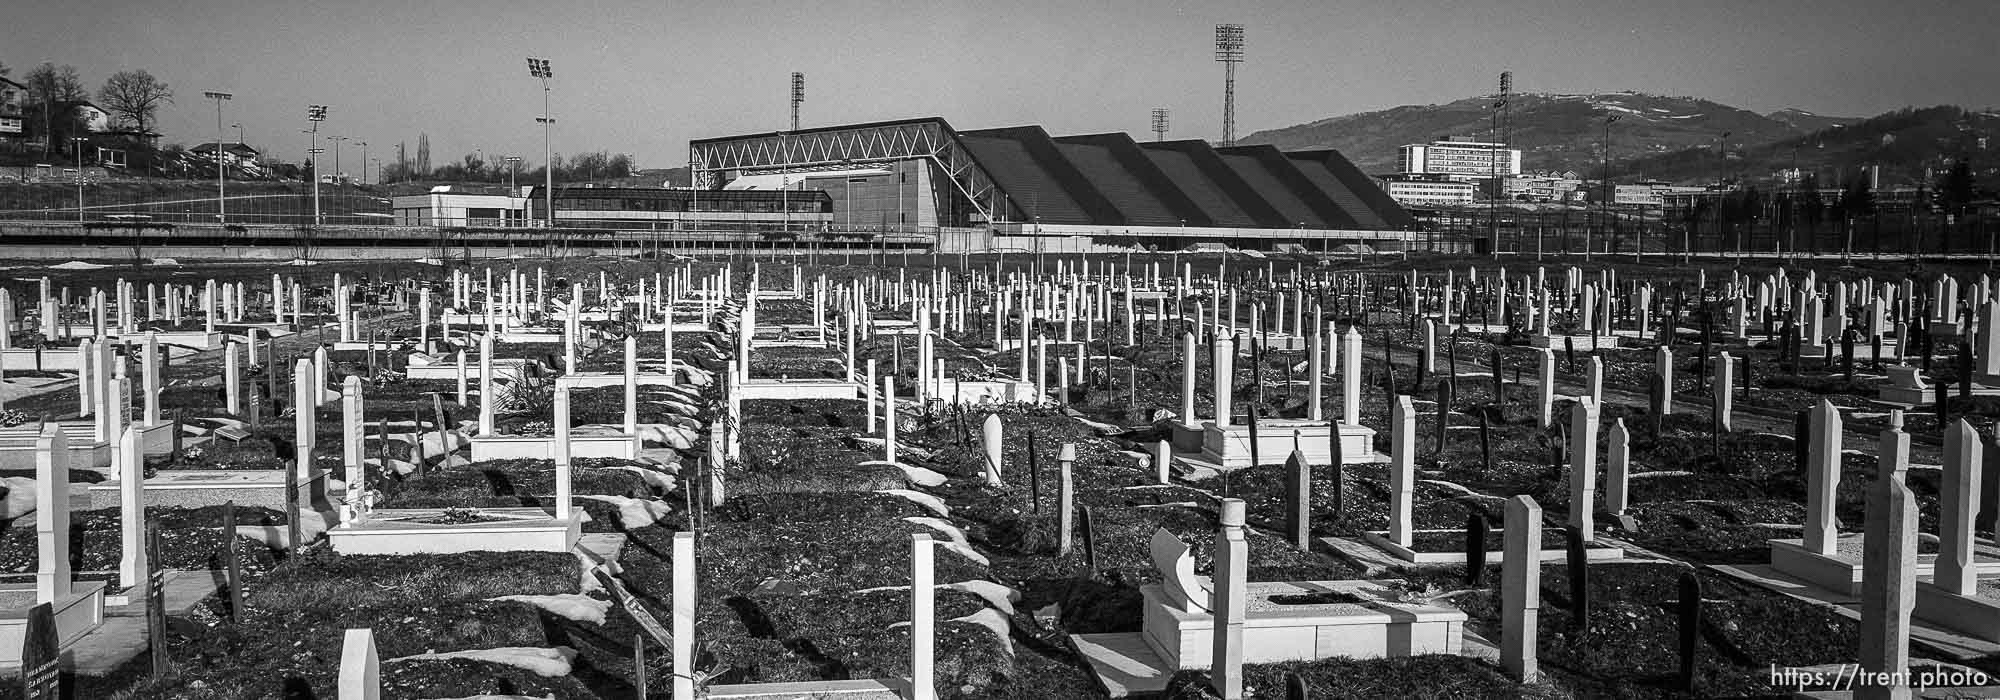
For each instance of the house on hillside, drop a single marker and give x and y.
(86, 116)
(233, 154)
(13, 111)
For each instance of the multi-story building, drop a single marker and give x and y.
(1538, 188)
(1430, 192)
(1459, 159)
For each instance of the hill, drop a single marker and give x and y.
(1807, 121)
(1555, 132)
(1909, 145)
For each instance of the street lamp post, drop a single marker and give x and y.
(239, 131)
(336, 158)
(513, 163)
(1609, 192)
(539, 68)
(221, 208)
(76, 143)
(315, 114)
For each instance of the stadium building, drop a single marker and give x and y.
(1020, 188)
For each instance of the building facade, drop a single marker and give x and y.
(1430, 192)
(1459, 160)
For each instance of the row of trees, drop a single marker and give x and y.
(1807, 204)
(131, 98)
(474, 167)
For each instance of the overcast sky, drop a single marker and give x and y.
(645, 77)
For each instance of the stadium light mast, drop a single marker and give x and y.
(539, 68)
(221, 209)
(315, 114)
(1159, 123)
(1229, 52)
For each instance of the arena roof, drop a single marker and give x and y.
(1023, 174)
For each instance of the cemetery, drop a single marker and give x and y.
(999, 476)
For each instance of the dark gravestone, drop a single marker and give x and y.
(1035, 474)
(1579, 579)
(1847, 354)
(639, 665)
(1475, 549)
(1443, 415)
(292, 531)
(1255, 457)
(1485, 443)
(1295, 687)
(1964, 369)
(1801, 437)
(156, 601)
(1451, 362)
(1339, 481)
(1690, 629)
(1089, 527)
(1499, 384)
(1569, 353)
(1943, 404)
(231, 572)
(41, 656)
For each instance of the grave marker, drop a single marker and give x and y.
(1228, 602)
(41, 655)
(1520, 589)
(360, 667)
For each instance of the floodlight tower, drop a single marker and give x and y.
(1229, 51)
(1159, 123)
(539, 68)
(221, 214)
(315, 114)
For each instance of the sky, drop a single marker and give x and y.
(646, 77)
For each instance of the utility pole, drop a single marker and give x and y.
(221, 208)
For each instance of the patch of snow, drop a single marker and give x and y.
(930, 502)
(966, 550)
(548, 662)
(917, 475)
(950, 531)
(300, 262)
(634, 512)
(1000, 597)
(166, 262)
(1684, 116)
(78, 265)
(658, 482)
(572, 606)
(990, 619)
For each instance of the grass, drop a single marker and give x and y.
(1436, 677)
(322, 580)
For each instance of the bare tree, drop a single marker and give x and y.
(50, 85)
(134, 96)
